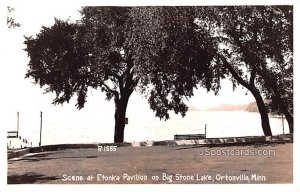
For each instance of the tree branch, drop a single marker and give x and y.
(252, 77)
(118, 77)
(110, 89)
(234, 73)
(128, 74)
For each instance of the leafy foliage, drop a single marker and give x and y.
(165, 53)
(173, 55)
(59, 60)
(258, 42)
(159, 51)
(255, 49)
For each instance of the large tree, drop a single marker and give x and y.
(255, 47)
(120, 50)
(276, 76)
(175, 55)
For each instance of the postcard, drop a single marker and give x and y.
(191, 95)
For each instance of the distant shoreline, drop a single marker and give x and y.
(209, 110)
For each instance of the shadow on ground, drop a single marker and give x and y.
(44, 156)
(28, 178)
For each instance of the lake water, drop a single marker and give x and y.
(59, 127)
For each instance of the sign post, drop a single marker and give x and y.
(40, 143)
(282, 123)
(18, 124)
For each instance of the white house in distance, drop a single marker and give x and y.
(17, 143)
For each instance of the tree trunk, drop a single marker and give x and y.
(263, 112)
(259, 100)
(284, 109)
(290, 120)
(289, 117)
(120, 114)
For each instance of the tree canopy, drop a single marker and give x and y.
(255, 48)
(119, 50)
(165, 53)
(174, 54)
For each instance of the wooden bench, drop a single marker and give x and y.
(189, 136)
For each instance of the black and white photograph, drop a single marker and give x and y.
(167, 94)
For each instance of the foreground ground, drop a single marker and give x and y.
(156, 164)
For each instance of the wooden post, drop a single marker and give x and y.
(18, 124)
(40, 143)
(282, 123)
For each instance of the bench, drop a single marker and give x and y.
(189, 136)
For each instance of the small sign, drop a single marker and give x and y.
(12, 134)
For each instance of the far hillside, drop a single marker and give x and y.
(251, 107)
